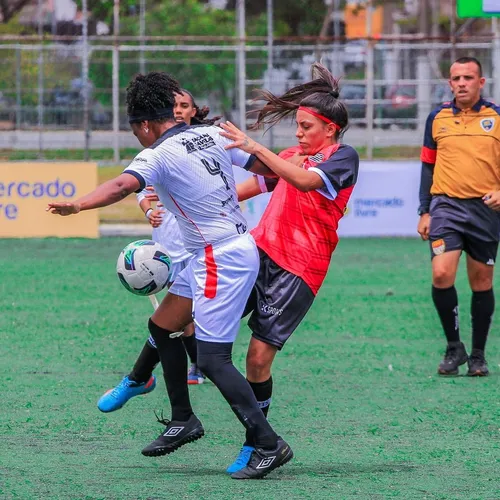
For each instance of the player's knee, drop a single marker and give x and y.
(212, 357)
(160, 335)
(481, 283)
(442, 277)
(258, 366)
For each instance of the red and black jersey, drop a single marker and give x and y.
(299, 230)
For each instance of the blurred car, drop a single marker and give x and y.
(401, 106)
(354, 53)
(65, 107)
(354, 97)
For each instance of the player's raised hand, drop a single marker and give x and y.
(66, 208)
(492, 200)
(241, 140)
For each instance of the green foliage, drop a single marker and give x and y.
(102, 10)
(14, 28)
(208, 74)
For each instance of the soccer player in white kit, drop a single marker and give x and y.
(166, 232)
(192, 172)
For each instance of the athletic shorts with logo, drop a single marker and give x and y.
(278, 303)
(219, 279)
(464, 224)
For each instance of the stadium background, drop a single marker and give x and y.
(356, 388)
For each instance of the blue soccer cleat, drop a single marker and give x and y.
(115, 398)
(241, 460)
(195, 375)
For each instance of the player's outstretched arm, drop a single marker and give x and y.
(106, 194)
(302, 179)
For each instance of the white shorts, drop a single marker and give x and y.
(177, 267)
(219, 279)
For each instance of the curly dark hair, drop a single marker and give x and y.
(321, 93)
(148, 94)
(200, 118)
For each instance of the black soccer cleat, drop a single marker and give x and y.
(477, 364)
(262, 462)
(455, 356)
(175, 435)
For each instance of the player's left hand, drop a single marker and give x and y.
(151, 196)
(240, 139)
(63, 208)
(492, 200)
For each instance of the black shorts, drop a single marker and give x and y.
(278, 302)
(467, 225)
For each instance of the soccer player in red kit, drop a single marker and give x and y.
(298, 231)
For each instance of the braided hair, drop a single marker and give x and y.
(321, 93)
(152, 95)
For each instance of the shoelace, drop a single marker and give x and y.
(123, 384)
(477, 359)
(162, 420)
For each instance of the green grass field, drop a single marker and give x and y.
(356, 390)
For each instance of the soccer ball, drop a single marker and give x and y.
(144, 267)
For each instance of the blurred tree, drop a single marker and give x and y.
(9, 8)
(208, 74)
(303, 18)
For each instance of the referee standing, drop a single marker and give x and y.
(459, 204)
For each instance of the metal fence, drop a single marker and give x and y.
(389, 87)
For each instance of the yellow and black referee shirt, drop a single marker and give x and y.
(464, 147)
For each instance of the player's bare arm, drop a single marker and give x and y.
(302, 179)
(425, 197)
(248, 189)
(106, 194)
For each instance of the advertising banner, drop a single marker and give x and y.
(25, 190)
(384, 201)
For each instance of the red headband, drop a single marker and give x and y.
(317, 115)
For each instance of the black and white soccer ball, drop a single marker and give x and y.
(144, 267)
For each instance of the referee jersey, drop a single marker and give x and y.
(464, 146)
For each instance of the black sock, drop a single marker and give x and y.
(190, 346)
(174, 363)
(214, 360)
(263, 392)
(446, 303)
(145, 363)
(481, 309)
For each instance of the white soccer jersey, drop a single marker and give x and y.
(193, 176)
(168, 234)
